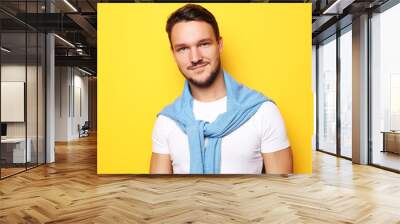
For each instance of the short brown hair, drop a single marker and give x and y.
(192, 12)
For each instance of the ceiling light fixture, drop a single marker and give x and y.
(84, 71)
(70, 5)
(79, 51)
(5, 50)
(64, 40)
(337, 7)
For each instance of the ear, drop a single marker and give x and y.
(220, 44)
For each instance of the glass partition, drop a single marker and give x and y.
(22, 88)
(33, 64)
(327, 95)
(41, 85)
(14, 153)
(385, 89)
(346, 93)
(32, 95)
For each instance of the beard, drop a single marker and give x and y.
(210, 79)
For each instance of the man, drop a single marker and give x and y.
(216, 125)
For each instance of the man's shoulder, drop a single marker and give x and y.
(268, 113)
(267, 107)
(164, 121)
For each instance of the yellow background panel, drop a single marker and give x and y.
(266, 46)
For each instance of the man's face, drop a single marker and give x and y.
(196, 51)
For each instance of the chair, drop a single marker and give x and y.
(84, 130)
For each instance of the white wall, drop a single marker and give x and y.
(71, 93)
(80, 83)
(62, 81)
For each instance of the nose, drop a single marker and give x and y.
(195, 55)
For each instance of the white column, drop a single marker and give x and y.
(50, 92)
(50, 99)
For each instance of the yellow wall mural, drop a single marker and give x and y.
(267, 47)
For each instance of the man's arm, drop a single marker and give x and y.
(279, 162)
(160, 164)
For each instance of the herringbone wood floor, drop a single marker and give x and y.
(70, 191)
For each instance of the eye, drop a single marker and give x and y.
(182, 49)
(205, 44)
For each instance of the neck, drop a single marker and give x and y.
(215, 91)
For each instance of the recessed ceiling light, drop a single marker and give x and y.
(64, 40)
(70, 5)
(5, 50)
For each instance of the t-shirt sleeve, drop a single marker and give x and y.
(273, 130)
(160, 135)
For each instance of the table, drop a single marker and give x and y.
(391, 141)
(17, 150)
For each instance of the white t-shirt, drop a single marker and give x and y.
(241, 150)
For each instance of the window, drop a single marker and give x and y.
(327, 95)
(346, 93)
(385, 88)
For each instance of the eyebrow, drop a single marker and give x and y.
(179, 46)
(200, 41)
(205, 40)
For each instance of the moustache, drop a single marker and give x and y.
(197, 65)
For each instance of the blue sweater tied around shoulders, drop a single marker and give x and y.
(242, 104)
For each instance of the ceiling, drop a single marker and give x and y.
(329, 16)
(76, 22)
